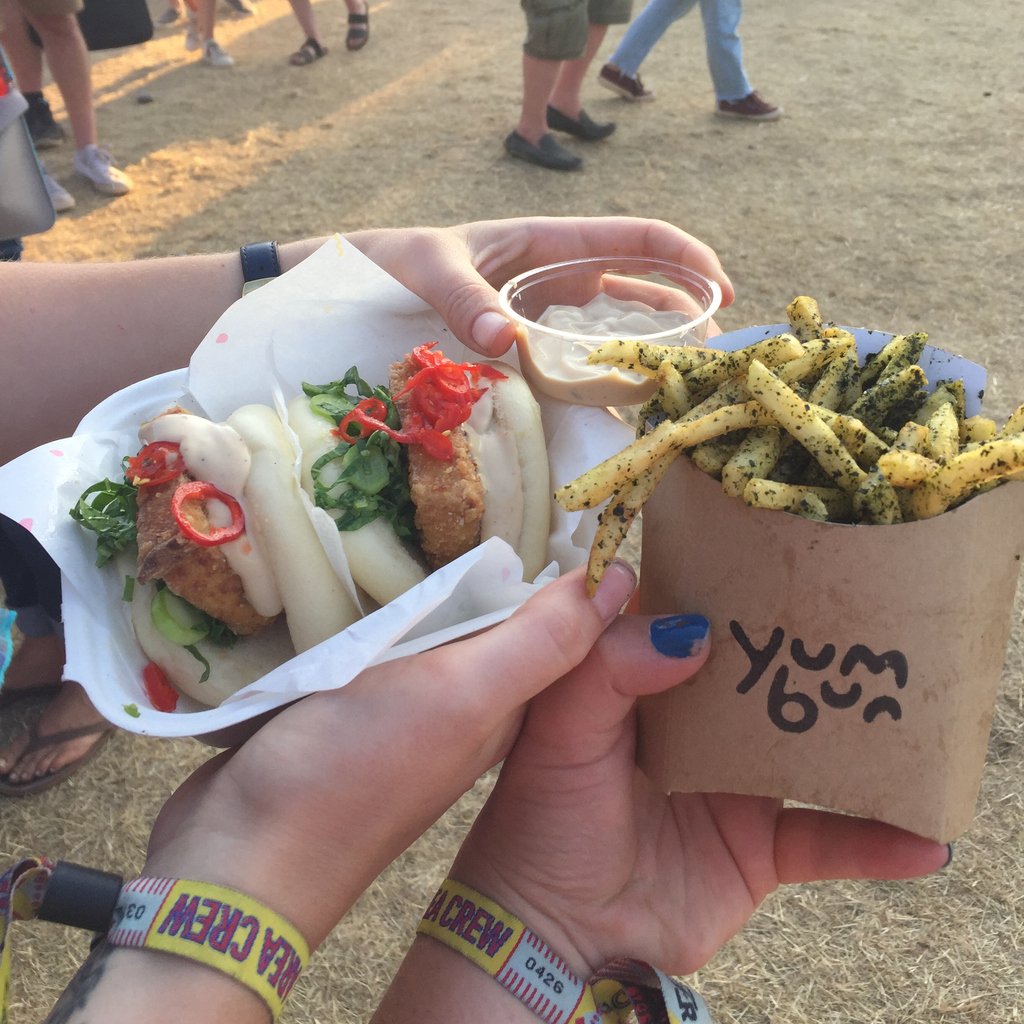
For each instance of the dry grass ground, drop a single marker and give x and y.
(891, 192)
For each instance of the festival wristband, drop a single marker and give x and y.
(210, 924)
(523, 963)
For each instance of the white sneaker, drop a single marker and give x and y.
(215, 55)
(97, 166)
(61, 198)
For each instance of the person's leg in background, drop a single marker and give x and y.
(70, 729)
(622, 72)
(734, 95)
(68, 61)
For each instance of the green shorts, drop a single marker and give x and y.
(557, 29)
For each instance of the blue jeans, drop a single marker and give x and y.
(721, 39)
(10, 249)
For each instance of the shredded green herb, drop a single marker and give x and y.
(366, 479)
(108, 509)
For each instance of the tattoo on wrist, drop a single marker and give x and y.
(72, 1007)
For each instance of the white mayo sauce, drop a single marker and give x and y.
(559, 367)
(496, 455)
(216, 453)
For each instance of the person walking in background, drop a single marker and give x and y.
(734, 95)
(199, 34)
(56, 24)
(559, 48)
(313, 48)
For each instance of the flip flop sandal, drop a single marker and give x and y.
(358, 30)
(101, 730)
(308, 52)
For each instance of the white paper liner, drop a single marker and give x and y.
(335, 310)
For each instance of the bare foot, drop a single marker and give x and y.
(37, 664)
(70, 709)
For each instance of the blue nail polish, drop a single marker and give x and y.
(679, 636)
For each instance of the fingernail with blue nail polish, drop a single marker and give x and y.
(679, 636)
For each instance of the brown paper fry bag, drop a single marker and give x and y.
(852, 667)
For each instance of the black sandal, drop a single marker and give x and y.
(308, 52)
(358, 30)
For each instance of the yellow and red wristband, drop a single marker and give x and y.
(524, 964)
(214, 925)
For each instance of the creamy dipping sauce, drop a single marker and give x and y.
(497, 461)
(216, 453)
(558, 365)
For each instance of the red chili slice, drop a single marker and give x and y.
(156, 463)
(161, 694)
(202, 490)
(367, 415)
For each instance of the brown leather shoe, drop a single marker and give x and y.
(752, 108)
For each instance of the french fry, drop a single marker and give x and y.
(979, 429)
(671, 401)
(949, 392)
(912, 437)
(727, 365)
(906, 468)
(838, 387)
(898, 354)
(711, 456)
(943, 433)
(817, 354)
(804, 318)
(863, 444)
(889, 396)
(614, 474)
(617, 517)
(875, 501)
(788, 497)
(805, 425)
(812, 507)
(1014, 423)
(756, 456)
(644, 358)
(1001, 459)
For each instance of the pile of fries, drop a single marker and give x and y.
(796, 423)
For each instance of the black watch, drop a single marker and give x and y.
(260, 264)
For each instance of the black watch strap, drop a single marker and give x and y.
(260, 263)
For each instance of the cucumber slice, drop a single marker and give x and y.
(176, 619)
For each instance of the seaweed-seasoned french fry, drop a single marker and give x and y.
(644, 358)
(617, 516)
(805, 426)
(875, 501)
(788, 497)
(979, 429)
(838, 387)
(912, 437)
(804, 318)
(906, 468)
(711, 456)
(1001, 459)
(947, 392)
(899, 353)
(672, 399)
(864, 445)
(599, 483)
(727, 365)
(817, 354)
(943, 433)
(812, 507)
(1014, 424)
(889, 396)
(756, 456)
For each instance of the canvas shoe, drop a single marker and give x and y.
(751, 108)
(241, 8)
(97, 167)
(619, 82)
(169, 17)
(216, 56)
(61, 198)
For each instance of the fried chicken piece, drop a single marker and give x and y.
(200, 575)
(449, 496)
